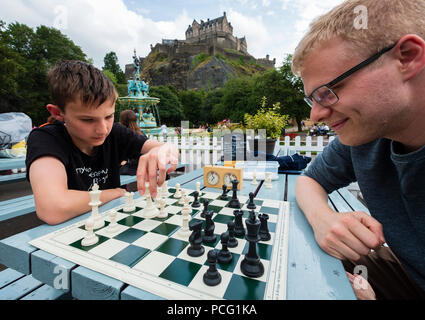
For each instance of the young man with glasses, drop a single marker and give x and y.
(368, 86)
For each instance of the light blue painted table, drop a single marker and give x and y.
(312, 274)
(12, 163)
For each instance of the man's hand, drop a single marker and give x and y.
(348, 235)
(156, 159)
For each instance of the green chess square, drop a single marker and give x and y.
(130, 221)
(77, 244)
(243, 288)
(130, 235)
(165, 229)
(264, 251)
(131, 255)
(181, 271)
(172, 247)
(222, 218)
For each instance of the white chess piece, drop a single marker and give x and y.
(90, 238)
(184, 231)
(164, 190)
(113, 225)
(150, 211)
(183, 196)
(268, 180)
(254, 177)
(198, 187)
(95, 203)
(129, 202)
(162, 213)
(178, 193)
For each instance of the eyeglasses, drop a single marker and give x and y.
(325, 96)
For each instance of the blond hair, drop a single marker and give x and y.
(387, 22)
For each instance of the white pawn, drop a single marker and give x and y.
(164, 190)
(90, 238)
(129, 202)
(254, 178)
(198, 187)
(113, 225)
(183, 196)
(162, 213)
(184, 230)
(268, 180)
(178, 193)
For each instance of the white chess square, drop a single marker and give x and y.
(154, 263)
(173, 209)
(71, 236)
(199, 260)
(147, 225)
(219, 203)
(227, 211)
(150, 240)
(175, 219)
(109, 248)
(104, 231)
(271, 203)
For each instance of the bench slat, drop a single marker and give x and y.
(19, 288)
(46, 292)
(8, 276)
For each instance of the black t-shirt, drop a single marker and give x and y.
(83, 170)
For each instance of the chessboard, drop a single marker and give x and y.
(152, 253)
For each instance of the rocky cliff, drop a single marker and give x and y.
(187, 71)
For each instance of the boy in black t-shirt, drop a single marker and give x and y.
(84, 146)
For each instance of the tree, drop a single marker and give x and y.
(111, 63)
(192, 102)
(170, 107)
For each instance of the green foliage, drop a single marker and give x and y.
(199, 59)
(219, 56)
(110, 76)
(25, 58)
(192, 102)
(267, 118)
(111, 63)
(170, 107)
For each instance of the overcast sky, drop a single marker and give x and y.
(271, 27)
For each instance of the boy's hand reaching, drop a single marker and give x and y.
(152, 167)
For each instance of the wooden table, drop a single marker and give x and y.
(312, 274)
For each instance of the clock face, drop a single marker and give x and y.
(228, 178)
(213, 178)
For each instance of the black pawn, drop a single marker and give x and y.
(251, 265)
(206, 203)
(264, 229)
(212, 277)
(234, 202)
(224, 255)
(233, 242)
(209, 236)
(224, 194)
(196, 203)
(239, 228)
(251, 205)
(195, 239)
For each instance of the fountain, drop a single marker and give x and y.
(139, 100)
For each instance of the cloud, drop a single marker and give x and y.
(98, 27)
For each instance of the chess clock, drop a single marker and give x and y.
(216, 176)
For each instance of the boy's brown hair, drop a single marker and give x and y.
(71, 81)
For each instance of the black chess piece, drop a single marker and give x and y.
(264, 229)
(251, 265)
(212, 277)
(209, 236)
(224, 256)
(206, 203)
(251, 205)
(195, 239)
(239, 228)
(233, 242)
(224, 194)
(234, 202)
(196, 203)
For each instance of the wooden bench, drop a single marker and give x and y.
(14, 177)
(15, 285)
